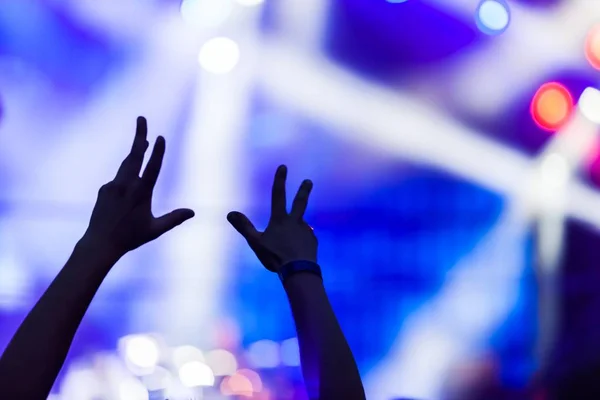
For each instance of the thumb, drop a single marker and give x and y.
(169, 221)
(242, 224)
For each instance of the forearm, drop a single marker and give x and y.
(37, 351)
(328, 366)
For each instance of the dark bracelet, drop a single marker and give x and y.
(295, 267)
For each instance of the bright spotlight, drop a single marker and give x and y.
(493, 16)
(222, 362)
(592, 47)
(551, 106)
(142, 351)
(589, 104)
(264, 354)
(206, 13)
(219, 55)
(196, 373)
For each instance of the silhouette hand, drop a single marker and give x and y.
(287, 237)
(122, 218)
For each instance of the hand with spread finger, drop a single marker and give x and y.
(288, 246)
(287, 237)
(122, 219)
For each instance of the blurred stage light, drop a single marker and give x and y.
(15, 282)
(554, 171)
(241, 384)
(159, 379)
(236, 385)
(81, 383)
(219, 55)
(493, 16)
(141, 350)
(227, 333)
(178, 391)
(551, 106)
(221, 362)
(253, 377)
(264, 354)
(185, 354)
(397, 1)
(592, 47)
(250, 3)
(290, 352)
(196, 373)
(589, 104)
(132, 389)
(206, 13)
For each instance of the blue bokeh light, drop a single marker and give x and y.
(493, 16)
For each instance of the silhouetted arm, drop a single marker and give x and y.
(121, 221)
(328, 366)
(37, 351)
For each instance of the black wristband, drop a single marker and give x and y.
(295, 267)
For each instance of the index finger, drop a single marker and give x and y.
(278, 200)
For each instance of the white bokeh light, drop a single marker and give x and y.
(185, 354)
(219, 55)
(206, 13)
(141, 350)
(132, 389)
(589, 104)
(222, 362)
(196, 373)
(81, 383)
(159, 379)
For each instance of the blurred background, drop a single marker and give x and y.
(456, 166)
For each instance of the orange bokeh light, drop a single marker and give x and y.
(551, 106)
(237, 384)
(592, 47)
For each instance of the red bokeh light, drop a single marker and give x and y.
(551, 106)
(592, 47)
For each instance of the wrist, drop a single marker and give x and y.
(299, 267)
(305, 287)
(98, 250)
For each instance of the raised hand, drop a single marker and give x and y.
(122, 219)
(287, 237)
